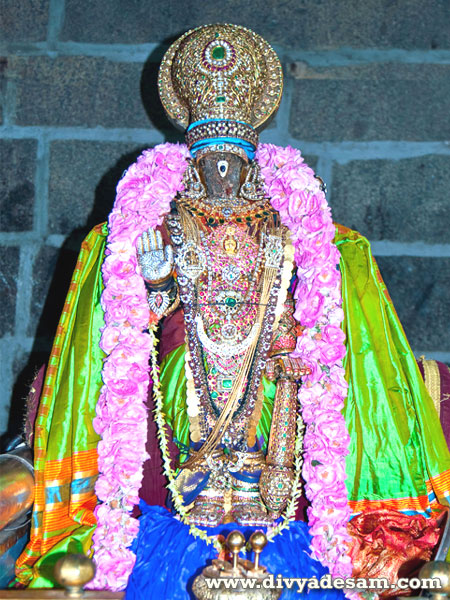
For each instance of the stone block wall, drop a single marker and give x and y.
(366, 99)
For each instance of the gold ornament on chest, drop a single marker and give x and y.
(230, 243)
(191, 260)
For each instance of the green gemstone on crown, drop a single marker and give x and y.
(231, 302)
(227, 384)
(220, 99)
(218, 53)
(214, 395)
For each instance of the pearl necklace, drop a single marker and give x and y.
(225, 350)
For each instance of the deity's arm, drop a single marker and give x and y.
(277, 476)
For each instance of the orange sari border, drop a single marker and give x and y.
(422, 504)
(437, 486)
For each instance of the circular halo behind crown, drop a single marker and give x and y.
(220, 71)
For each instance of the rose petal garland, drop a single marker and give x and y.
(296, 194)
(143, 198)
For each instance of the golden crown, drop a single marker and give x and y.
(221, 71)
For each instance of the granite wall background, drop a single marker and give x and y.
(366, 100)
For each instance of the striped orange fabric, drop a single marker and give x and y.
(421, 504)
(441, 483)
(81, 462)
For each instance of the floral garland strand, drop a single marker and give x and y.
(296, 194)
(144, 196)
(160, 419)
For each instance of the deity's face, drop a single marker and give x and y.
(221, 173)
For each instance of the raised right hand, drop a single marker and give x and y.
(155, 260)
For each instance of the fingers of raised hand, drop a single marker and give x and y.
(168, 253)
(145, 242)
(159, 244)
(139, 246)
(152, 240)
(155, 260)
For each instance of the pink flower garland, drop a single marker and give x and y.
(296, 194)
(143, 198)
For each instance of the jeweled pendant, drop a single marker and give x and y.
(229, 332)
(228, 302)
(225, 383)
(158, 302)
(231, 273)
(231, 302)
(191, 260)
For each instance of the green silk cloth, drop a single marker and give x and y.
(398, 456)
(65, 443)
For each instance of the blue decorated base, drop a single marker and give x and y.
(168, 558)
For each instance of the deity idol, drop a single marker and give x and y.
(280, 355)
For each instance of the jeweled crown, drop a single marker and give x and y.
(221, 72)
